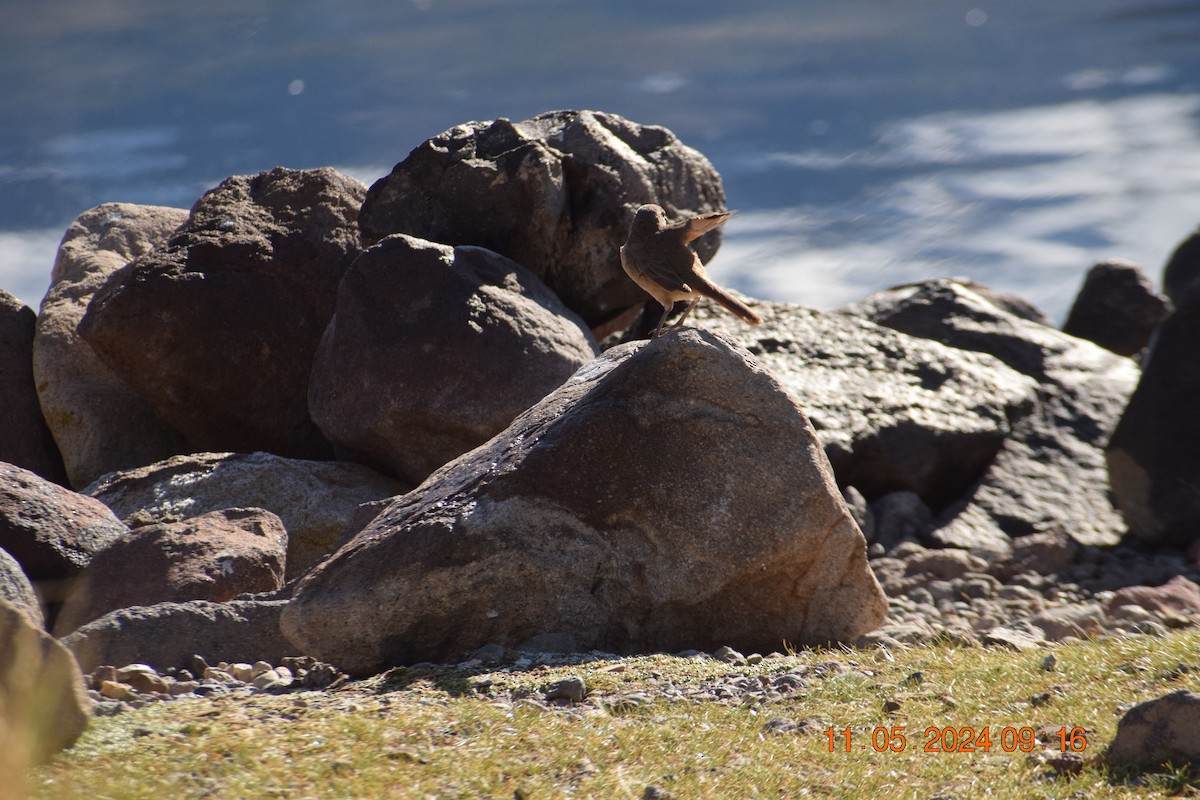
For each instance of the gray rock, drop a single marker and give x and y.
(629, 507)
(43, 704)
(1117, 308)
(1018, 639)
(555, 193)
(1051, 469)
(433, 350)
(1077, 620)
(216, 328)
(169, 634)
(215, 556)
(317, 501)
(99, 422)
(17, 590)
(572, 689)
(893, 412)
(1164, 729)
(25, 439)
(1153, 463)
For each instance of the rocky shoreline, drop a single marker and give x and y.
(308, 428)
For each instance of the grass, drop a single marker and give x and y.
(459, 733)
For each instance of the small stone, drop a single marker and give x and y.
(1040, 699)
(754, 658)
(260, 667)
(197, 665)
(1048, 663)
(183, 687)
(146, 682)
(115, 690)
(217, 675)
(273, 679)
(489, 652)
(320, 676)
(1013, 639)
(242, 672)
(891, 705)
(655, 793)
(572, 689)
(729, 655)
(101, 674)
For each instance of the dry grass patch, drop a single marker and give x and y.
(654, 722)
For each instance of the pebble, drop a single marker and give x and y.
(572, 690)
(117, 689)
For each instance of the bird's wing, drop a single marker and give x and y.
(695, 227)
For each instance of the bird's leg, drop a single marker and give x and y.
(684, 315)
(658, 330)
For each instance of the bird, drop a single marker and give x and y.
(659, 258)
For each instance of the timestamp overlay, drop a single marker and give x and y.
(939, 739)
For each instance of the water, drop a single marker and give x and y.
(865, 143)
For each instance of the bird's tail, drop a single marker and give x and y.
(735, 306)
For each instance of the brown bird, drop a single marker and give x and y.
(658, 257)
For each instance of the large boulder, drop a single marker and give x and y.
(672, 494)
(1051, 472)
(43, 705)
(1153, 460)
(215, 556)
(317, 501)
(99, 422)
(1153, 733)
(216, 329)
(24, 438)
(52, 532)
(556, 193)
(433, 350)
(895, 413)
(1117, 308)
(168, 634)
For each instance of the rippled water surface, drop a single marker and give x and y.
(865, 143)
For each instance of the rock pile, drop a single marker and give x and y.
(200, 371)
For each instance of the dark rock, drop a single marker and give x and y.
(216, 556)
(433, 350)
(1183, 267)
(24, 438)
(169, 635)
(893, 412)
(52, 532)
(1157, 731)
(1153, 461)
(571, 689)
(555, 193)
(317, 501)
(630, 508)
(17, 590)
(43, 705)
(217, 328)
(1117, 308)
(99, 422)
(1050, 471)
